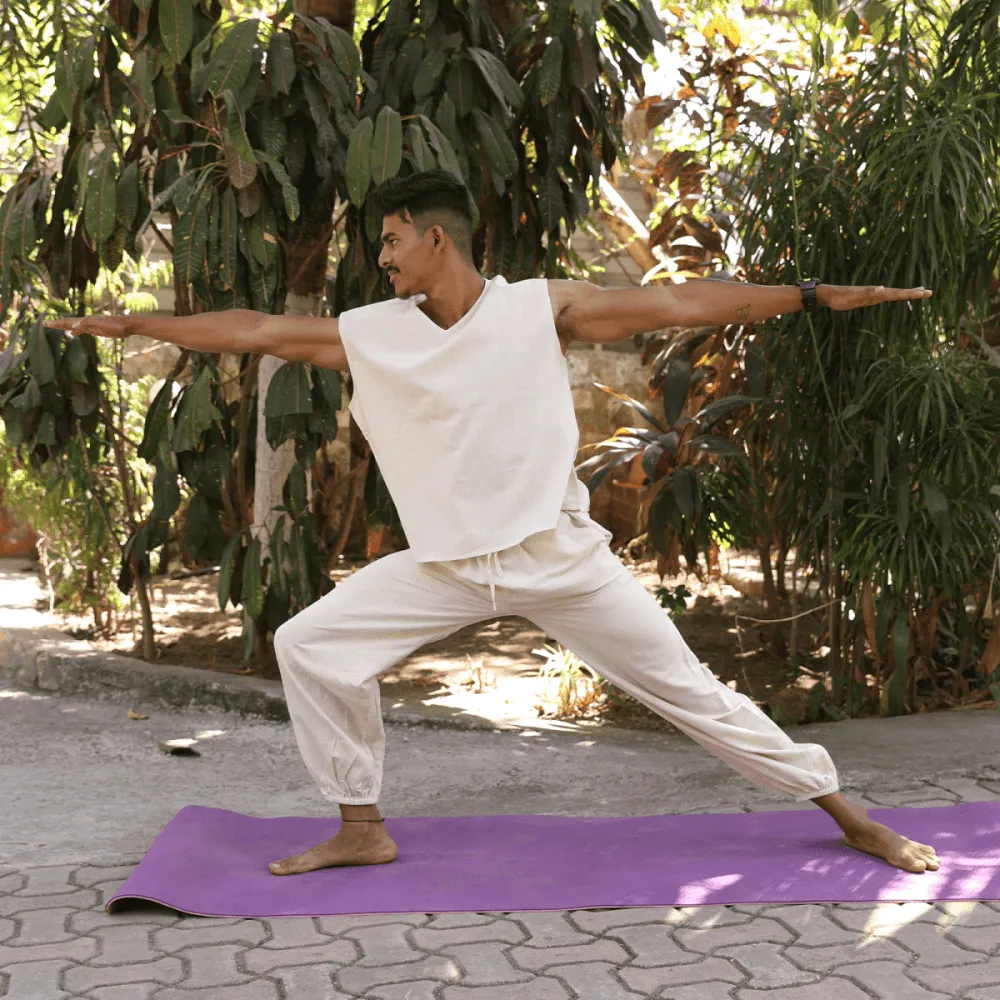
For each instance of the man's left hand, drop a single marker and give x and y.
(842, 297)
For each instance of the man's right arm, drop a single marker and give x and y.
(314, 339)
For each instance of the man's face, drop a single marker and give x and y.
(406, 255)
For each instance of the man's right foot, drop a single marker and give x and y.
(355, 844)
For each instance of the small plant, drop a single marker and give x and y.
(674, 601)
(578, 690)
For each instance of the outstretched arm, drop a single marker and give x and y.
(586, 312)
(238, 331)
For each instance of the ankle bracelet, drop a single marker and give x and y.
(362, 820)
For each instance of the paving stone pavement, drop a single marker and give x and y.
(56, 943)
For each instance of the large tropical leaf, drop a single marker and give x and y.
(387, 145)
(176, 23)
(289, 392)
(231, 61)
(100, 210)
(359, 161)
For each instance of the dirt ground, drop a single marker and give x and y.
(487, 669)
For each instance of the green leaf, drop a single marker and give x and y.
(447, 159)
(273, 130)
(387, 145)
(190, 238)
(550, 202)
(461, 85)
(676, 383)
(497, 78)
(895, 688)
(198, 523)
(281, 61)
(41, 362)
(589, 12)
(358, 168)
(127, 194)
(99, 213)
(423, 158)
(84, 398)
(651, 21)
(328, 382)
(253, 584)
(240, 160)
(195, 413)
(499, 151)
(144, 71)
(226, 565)
(156, 421)
(289, 392)
(430, 71)
(715, 444)
(902, 490)
(289, 192)
(76, 358)
(550, 72)
(718, 408)
(231, 61)
(685, 487)
(176, 23)
(344, 50)
(228, 238)
(166, 491)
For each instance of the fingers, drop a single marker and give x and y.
(66, 323)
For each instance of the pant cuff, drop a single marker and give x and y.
(348, 800)
(829, 789)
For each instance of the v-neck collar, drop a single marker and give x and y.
(465, 318)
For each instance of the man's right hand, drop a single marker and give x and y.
(114, 327)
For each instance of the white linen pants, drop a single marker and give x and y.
(569, 583)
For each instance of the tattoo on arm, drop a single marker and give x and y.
(743, 312)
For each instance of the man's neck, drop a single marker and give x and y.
(452, 296)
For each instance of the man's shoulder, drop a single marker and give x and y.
(388, 307)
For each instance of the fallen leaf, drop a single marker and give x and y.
(133, 714)
(180, 748)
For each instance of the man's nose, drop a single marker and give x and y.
(383, 258)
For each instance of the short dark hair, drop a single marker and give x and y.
(427, 198)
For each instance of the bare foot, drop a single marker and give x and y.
(901, 852)
(355, 844)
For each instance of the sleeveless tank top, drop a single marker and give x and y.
(473, 427)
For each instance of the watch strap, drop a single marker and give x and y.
(807, 289)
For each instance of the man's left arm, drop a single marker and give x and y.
(584, 311)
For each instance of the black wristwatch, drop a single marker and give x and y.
(807, 289)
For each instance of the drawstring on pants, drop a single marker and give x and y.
(492, 575)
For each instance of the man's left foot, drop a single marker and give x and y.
(901, 852)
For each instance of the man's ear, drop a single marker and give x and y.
(440, 237)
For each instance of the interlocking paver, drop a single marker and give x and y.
(706, 939)
(932, 946)
(84, 921)
(960, 913)
(387, 944)
(485, 963)
(598, 921)
(985, 940)
(340, 925)
(260, 989)
(90, 875)
(908, 796)
(538, 959)
(12, 882)
(423, 989)
(358, 980)
(541, 988)
(291, 932)
(213, 965)
(888, 981)
(592, 981)
(432, 939)
(652, 945)
(190, 933)
(828, 957)
(768, 968)
(43, 926)
(82, 978)
(708, 969)
(78, 899)
(445, 921)
(549, 929)
(955, 980)
(125, 943)
(879, 919)
(700, 991)
(265, 959)
(701, 917)
(78, 950)
(53, 880)
(812, 924)
(8, 928)
(967, 789)
(34, 980)
(829, 989)
(132, 991)
(310, 982)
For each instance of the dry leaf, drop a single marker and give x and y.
(180, 748)
(133, 714)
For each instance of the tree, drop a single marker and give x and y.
(259, 140)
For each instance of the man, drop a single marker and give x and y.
(461, 389)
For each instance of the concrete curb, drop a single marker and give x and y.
(48, 660)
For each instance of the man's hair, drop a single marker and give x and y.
(428, 198)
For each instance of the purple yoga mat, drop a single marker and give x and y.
(213, 862)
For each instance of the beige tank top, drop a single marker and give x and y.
(473, 427)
